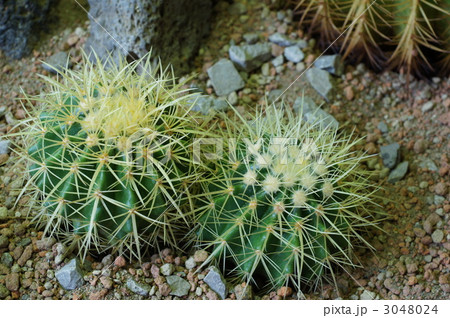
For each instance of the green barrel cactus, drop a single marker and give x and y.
(286, 203)
(108, 155)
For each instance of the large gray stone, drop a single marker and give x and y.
(216, 282)
(313, 114)
(20, 24)
(330, 63)
(250, 57)
(70, 276)
(399, 172)
(225, 78)
(172, 29)
(57, 62)
(178, 286)
(320, 80)
(390, 154)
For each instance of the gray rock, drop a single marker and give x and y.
(4, 292)
(437, 236)
(312, 114)
(293, 54)
(216, 282)
(138, 288)
(7, 259)
(427, 106)
(382, 127)
(172, 29)
(179, 287)
(190, 263)
(5, 147)
(390, 154)
(279, 60)
(281, 39)
(208, 104)
(167, 269)
(4, 242)
(3, 111)
(274, 95)
(399, 172)
(20, 23)
(57, 62)
(45, 243)
(107, 260)
(251, 38)
(330, 63)
(225, 78)
(250, 56)
(320, 80)
(70, 276)
(367, 295)
(3, 213)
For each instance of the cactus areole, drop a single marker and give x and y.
(286, 204)
(108, 153)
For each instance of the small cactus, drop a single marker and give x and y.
(108, 156)
(286, 203)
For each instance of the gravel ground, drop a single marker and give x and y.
(411, 260)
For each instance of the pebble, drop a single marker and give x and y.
(216, 282)
(278, 61)
(7, 259)
(294, 54)
(200, 256)
(57, 62)
(70, 276)
(120, 261)
(420, 146)
(427, 106)
(243, 291)
(367, 295)
(440, 189)
(437, 236)
(330, 63)
(237, 8)
(45, 243)
(167, 269)
(198, 291)
(429, 164)
(313, 114)
(4, 292)
(12, 281)
(390, 154)
(5, 147)
(137, 288)
(383, 127)
(249, 57)
(225, 78)
(284, 291)
(190, 263)
(209, 104)
(320, 80)
(4, 241)
(281, 40)
(179, 286)
(25, 255)
(399, 172)
(3, 213)
(106, 282)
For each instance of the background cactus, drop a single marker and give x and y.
(409, 34)
(286, 203)
(108, 156)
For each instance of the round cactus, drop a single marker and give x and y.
(285, 203)
(108, 153)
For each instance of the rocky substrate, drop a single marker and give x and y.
(255, 55)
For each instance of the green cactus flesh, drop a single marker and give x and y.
(285, 212)
(108, 156)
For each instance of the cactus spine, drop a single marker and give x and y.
(108, 155)
(286, 203)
